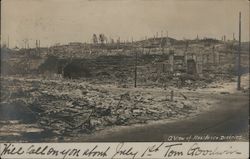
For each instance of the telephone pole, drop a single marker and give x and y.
(8, 42)
(214, 61)
(38, 47)
(239, 58)
(167, 40)
(136, 68)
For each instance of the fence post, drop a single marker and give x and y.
(172, 95)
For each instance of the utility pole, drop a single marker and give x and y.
(213, 55)
(161, 43)
(219, 58)
(8, 42)
(135, 68)
(25, 41)
(239, 52)
(167, 40)
(143, 47)
(36, 47)
(39, 47)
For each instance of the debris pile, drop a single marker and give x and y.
(67, 107)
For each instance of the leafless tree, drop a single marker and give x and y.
(101, 38)
(95, 40)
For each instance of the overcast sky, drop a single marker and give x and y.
(63, 21)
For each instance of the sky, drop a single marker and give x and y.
(63, 21)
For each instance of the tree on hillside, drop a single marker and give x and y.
(95, 40)
(101, 38)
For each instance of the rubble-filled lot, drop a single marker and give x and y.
(59, 94)
(66, 107)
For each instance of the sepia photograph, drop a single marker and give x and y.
(124, 71)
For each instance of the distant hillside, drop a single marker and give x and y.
(155, 42)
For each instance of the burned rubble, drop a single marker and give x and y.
(83, 91)
(68, 107)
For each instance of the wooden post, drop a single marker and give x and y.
(39, 47)
(213, 56)
(167, 40)
(171, 61)
(8, 45)
(219, 60)
(172, 95)
(25, 47)
(239, 52)
(135, 84)
(142, 48)
(36, 47)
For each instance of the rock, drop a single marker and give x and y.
(77, 93)
(95, 122)
(84, 92)
(224, 93)
(121, 121)
(102, 111)
(91, 102)
(103, 91)
(137, 112)
(180, 105)
(151, 111)
(125, 96)
(161, 99)
(124, 86)
(111, 120)
(185, 105)
(69, 104)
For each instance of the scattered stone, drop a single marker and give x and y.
(224, 93)
(95, 122)
(150, 111)
(137, 112)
